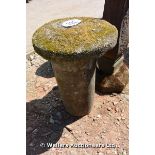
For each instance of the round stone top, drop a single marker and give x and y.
(74, 36)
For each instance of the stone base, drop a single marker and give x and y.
(115, 82)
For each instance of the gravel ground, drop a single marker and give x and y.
(48, 122)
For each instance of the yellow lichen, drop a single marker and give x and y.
(90, 34)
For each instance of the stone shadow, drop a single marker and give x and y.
(45, 70)
(45, 121)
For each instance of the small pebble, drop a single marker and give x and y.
(115, 103)
(116, 109)
(56, 99)
(98, 116)
(123, 92)
(124, 153)
(113, 94)
(118, 118)
(51, 120)
(118, 139)
(102, 137)
(31, 57)
(35, 130)
(87, 133)
(122, 111)
(123, 118)
(117, 123)
(122, 115)
(108, 108)
(94, 119)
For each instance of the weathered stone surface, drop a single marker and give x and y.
(114, 82)
(73, 52)
(90, 37)
(76, 81)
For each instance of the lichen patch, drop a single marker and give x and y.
(90, 34)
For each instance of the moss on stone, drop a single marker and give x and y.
(89, 35)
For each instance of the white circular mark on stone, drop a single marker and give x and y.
(70, 23)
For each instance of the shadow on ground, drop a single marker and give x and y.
(46, 119)
(45, 70)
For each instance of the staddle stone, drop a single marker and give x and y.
(73, 45)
